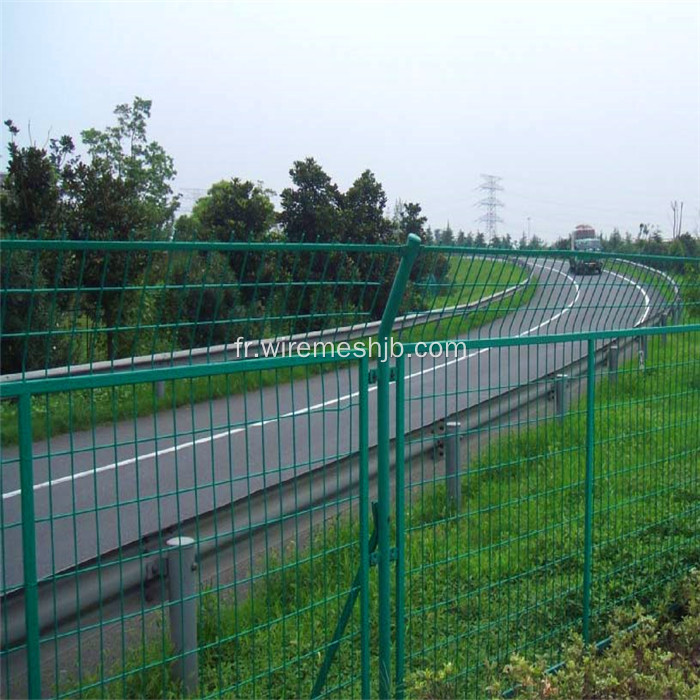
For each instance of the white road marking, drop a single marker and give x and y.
(308, 409)
(647, 300)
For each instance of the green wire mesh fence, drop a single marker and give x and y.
(356, 522)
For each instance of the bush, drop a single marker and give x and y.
(648, 657)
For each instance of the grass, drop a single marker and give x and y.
(503, 575)
(469, 278)
(649, 278)
(59, 413)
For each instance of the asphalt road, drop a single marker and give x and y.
(97, 491)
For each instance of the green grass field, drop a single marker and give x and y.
(503, 575)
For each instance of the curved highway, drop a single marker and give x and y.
(96, 491)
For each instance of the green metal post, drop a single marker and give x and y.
(383, 480)
(364, 526)
(588, 521)
(400, 526)
(31, 593)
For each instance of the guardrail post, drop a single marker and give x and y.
(453, 479)
(643, 351)
(613, 361)
(183, 611)
(677, 313)
(589, 478)
(160, 389)
(31, 589)
(383, 480)
(561, 396)
(662, 324)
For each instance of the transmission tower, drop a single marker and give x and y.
(490, 185)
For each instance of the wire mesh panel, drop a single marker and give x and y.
(67, 303)
(544, 471)
(533, 515)
(647, 475)
(267, 483)
(494, 565)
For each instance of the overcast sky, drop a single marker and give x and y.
(589, 112)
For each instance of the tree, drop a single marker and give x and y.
(31, 204)
(448, 236)
(536, 243)
(32, 191)
(364, 205)
(411, 221)
(562, 243)
(122, 153)
(121, 192)
(614, 243)
(233, 210)
(312, 209)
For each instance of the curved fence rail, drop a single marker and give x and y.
(527, 480)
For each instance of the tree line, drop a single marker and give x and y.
(121, 189)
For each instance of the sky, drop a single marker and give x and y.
(589, 112)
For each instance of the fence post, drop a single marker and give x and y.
(31, 592)
(561, 395)
(383, 480)
(588, 518)
(452, 465)
(399, 448)
(183, 611)
(364, 527)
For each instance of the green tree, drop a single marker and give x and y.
(213, 286)
(312, 208)
(448, 236)
(412, 221)
(233, 210)
(364, 205)
(121, 191)
(536, 243)
(30, 192)
(31, 201)
(123, 154)
(562, 243)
